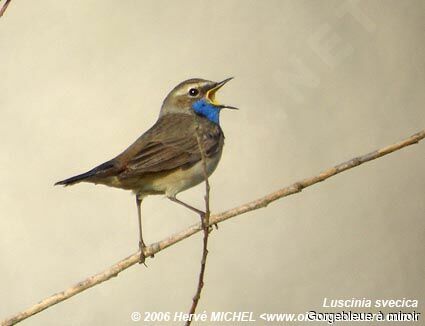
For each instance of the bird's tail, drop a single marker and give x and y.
(99, 171)
(75, 179)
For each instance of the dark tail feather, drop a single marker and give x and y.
(99, 171)
(75, 179)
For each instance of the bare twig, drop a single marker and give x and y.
(214, 219)
(3, 9)
(205, 220)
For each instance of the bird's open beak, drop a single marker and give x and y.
(211, 95)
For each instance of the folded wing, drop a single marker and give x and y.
(171, 143)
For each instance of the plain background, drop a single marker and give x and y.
(316, 85)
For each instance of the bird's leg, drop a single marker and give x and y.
(142, 245)
(201, 213)
(174, 199)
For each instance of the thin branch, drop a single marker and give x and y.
(3, 9)
(205, 220)
(214, 219)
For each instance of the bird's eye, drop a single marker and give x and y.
(193, 92)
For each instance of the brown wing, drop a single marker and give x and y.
(169, 144)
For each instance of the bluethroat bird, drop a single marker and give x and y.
(167, 159)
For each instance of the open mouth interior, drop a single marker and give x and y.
(211, 96)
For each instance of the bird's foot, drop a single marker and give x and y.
(211, 228)
(142, 258)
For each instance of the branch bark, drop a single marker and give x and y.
(3, 9)
(154, 248)
(205, 220)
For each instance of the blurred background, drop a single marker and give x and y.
(317, 83)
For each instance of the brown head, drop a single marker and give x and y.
(185, 94)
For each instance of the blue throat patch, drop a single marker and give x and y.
(207, 110)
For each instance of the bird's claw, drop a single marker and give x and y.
(142, 257)
(210, 228)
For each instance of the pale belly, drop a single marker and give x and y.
(177, 181)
